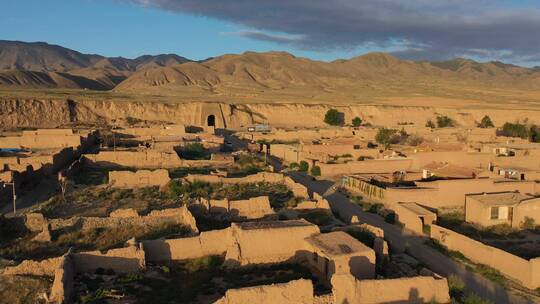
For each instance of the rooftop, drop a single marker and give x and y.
(500, 198)
(337, 243)
(272, 224)
(417, 209)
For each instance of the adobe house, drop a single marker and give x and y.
(512, 208)
(339, 253)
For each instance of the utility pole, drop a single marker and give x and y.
(14, 196)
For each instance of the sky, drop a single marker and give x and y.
(482, 30)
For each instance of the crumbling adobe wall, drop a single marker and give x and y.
(129, 217)
(213, 242)
(64, 276)
(274, 245)
(31, 141)
(140, 178)
(38, 268)
(253, 178)
(347, 289)
(318, 202)
(135, 159)
(525, 271)
(252, 208)
(121, 260)
(298, 189)
(293, 292)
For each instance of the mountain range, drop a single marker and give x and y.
(255, 75)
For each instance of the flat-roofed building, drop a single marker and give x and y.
(512, 208)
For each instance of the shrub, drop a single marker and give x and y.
(333, 117)
(356, 122)
(529, 223)
(486, 122)
(444, 121)
(205, 262)
(430, 124)
(132, 120)
(294, 165)
(195, 151)
(303, 166)
(316, 171)
(415, 140)
(455, 286)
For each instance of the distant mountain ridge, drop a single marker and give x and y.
(38, 63)
(251, 74)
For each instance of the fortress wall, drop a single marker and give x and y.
(140, 178)
(293, 292)
(367, 166)
(347, 289)
(121, 260)
(510, 265)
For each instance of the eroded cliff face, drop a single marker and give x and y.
(53, 113)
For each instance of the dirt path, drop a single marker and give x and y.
(401, 239)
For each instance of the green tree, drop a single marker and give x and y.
(356, 122)
(534, 134)
(444, 121)
(316, 171)
(303, 166)
(384, 136)
(514, 130)
(430, 124)
(294, 165)
(486, 122)
(333, 117)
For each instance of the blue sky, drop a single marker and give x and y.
(318, 29)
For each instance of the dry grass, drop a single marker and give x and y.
(91, 239)
(23, 290)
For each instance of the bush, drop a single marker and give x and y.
(316, 171)
(486, 122)
(333, 117)
(356, 122)
(195, 151)
(529, 223)
(444, 121)
(430, 124)
(415, 140)
(294, 166)
(304, 166)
